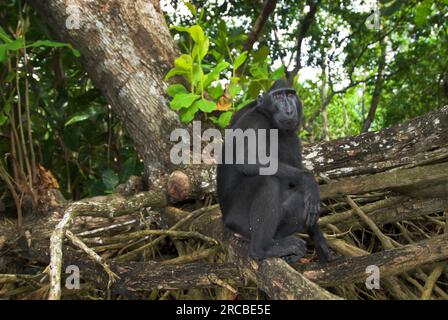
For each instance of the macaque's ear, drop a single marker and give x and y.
(260, 99)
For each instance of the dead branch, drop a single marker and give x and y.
(390, 262)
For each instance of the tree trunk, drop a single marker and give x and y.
(378, 87)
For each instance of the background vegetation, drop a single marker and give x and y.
(52, 116)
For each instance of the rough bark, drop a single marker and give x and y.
(305, 25)
(268, 8)
(390, 262)
(377, 90)
(273, 276)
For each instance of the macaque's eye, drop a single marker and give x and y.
(290, 94)
(277, 95)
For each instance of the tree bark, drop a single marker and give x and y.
(377, 90)
(268, 8)
(390, 262)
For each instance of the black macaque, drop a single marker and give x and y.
(268, 209)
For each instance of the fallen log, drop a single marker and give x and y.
(273, 276)
(436, 174)
(385, 211)
(140, 277)
(390, 262)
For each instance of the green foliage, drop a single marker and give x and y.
(77, 136)
(206, 67)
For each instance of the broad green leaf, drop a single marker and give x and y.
(197, 34)
(422, 12)
(197, 74)
(278, 73)
(204, 48)
(4, 36)
(259, 71)
(215, 92)
(15, 45)
(76, 53)
(183, 100)
(110, 179)
(224, 119)
(184, 62)
(240, 60)
(214, 74)
(234, 88)
(391, 8)
(84, 115)
(174, 89)
(188, 114)
(176, 71)
(205, 105)
(260, 55)
(183, 65)
(195, 52)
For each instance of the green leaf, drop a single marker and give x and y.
(48, 43)
(110, 179)
(224, 119)
(3, 53)
(259, 71)
(198, 74)
(204, 48)
(240, 60)
(174, 89)
(422, 13)
(188, 114)
(179, 28)
(4, 36)
(128, 168)
(190, 7)
(391, 8)
(234, 88)
(183, 65)
(214, 74)
(184, 62)
(261, 54)
(278, 73)
(176, 71)
(183, 100)
(205, 105)
(197, 34)
(84, 115)
(215, 92)
(15, 45)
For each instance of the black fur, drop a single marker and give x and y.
(268, 209)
